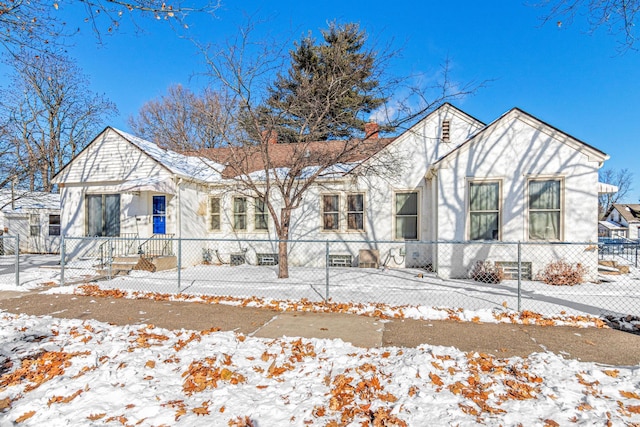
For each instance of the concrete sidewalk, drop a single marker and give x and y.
(606, 346)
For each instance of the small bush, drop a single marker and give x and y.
(562, 273)
(486, 272)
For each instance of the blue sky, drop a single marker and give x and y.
(575, 81)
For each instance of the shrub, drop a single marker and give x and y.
(562, 273)
(486, 272)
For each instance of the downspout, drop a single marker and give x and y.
(433, 174)
(179, 209)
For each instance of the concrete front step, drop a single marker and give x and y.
(124, 264)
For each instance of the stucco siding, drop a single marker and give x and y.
(513, 153)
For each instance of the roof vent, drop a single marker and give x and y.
(445, 130)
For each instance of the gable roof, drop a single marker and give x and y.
(516, 113)
(189, 167)
(193, 167)
(630, 212)
(28, 200)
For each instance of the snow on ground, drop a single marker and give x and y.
(410, 293)
(71, 372)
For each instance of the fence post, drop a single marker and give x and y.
(519, 272)
(326, 268)
(179, 262)
(62, 257)
(17, 260)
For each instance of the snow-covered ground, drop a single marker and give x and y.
(615, 295)
(70, 372)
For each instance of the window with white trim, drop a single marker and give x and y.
(406, 215)
(330, 212)
(240, 213)
(261, 216)
(34, 225)
(484, 210)
(355, 212)
(545, 209)
(54, 225)
(103, 214)
(214, 213)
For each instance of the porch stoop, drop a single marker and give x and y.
(123, 265)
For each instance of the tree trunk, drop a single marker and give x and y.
(283, 237)
(283, 260)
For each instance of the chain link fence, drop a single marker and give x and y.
(9, 260)
(548, 278)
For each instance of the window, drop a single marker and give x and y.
(406, 220)
(239, 213)
(54, 225)
(214, 213)
(355, 212)
(544, 209)
(330, 212)
(484, 210)
(261, 215)
(103, 214)
(34, 225)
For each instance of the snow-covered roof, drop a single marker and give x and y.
(612, 225)
(193, 167)
(28, 200)
(604, 188)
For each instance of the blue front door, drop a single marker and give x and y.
(159, 215)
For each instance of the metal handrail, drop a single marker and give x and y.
(153, 245)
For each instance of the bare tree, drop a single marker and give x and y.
(300, 118)
(623, 179)
(182, 119)
(48, 116)
(620, 17)
(39, 24)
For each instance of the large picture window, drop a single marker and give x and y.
(214, 213)
(355, 212)
(239, 213)
(406, 216)
(484, 210)
(103, 214)
(261, 217)
(545, 209)
(330, 212)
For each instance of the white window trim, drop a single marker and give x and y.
(210, 213)
(364, 211)
(322, 212)
(562, 205)
(419, 213)
(246, 214)
(255, 215)
(468, 206)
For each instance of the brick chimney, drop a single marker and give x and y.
(371, 130)
(270, 135)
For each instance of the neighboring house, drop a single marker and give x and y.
(626, 219)
(516, 179)
(34, 217)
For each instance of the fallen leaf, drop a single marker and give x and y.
(25, 416)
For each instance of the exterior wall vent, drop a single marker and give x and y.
(445, 130)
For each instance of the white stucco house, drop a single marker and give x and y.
(622, 220)
(32, 216)
(515, 179)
